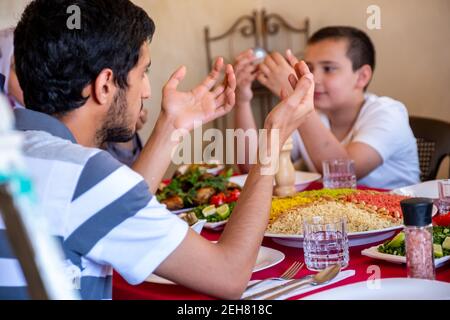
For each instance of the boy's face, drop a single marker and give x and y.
(335, 80)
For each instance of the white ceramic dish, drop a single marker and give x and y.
(216, 225)
(388, 289)
(373, 252)
(267, 257)
(428, 189)
(198, 226)
(302, 179)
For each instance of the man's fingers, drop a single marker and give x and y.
(293, 81)
(219, 90)
(175, 79)
(230, 77)
(302, 69)
(291, 58)
(303, 86)
(211, 79)
(283, 94)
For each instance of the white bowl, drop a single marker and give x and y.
(198, 226)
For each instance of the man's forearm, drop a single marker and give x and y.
(156, 155)
(251, 213)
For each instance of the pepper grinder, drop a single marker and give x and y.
(418, 237)
(285, 177)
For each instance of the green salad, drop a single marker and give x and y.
(441, 243)
(213, 213)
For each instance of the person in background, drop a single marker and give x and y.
(105, 214)
(348, 122)
(125, 152)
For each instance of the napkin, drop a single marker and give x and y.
(306, 288)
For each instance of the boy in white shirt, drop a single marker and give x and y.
(348, 122)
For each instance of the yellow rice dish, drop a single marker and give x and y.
(287, 214)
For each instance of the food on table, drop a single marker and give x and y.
(173, 202)
(364, 210)
(282, 205)
(203, 194)
(441, 243)
(358, 219)
(384, 203)
(189, 217)
(213, 213)
(442, 219)
(194, 186)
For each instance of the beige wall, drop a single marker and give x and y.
(413, 45)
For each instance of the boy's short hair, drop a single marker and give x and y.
(360, 50)
(54, 63)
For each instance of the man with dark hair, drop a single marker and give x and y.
(349, 122)
(85, 87)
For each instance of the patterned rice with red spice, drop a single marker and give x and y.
(383, 203)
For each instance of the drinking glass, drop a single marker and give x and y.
(444, 196)
(325, 242)
(339, 173)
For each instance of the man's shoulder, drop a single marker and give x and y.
(43, 145)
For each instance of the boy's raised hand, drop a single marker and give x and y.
(202, 104)
(275, 70)
(295, 106)
(246, 72)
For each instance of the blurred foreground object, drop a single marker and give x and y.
(40, 257)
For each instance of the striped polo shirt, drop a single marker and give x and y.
(100, 210)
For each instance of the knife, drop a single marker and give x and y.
(289, 283)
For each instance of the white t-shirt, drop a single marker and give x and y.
(383, 124)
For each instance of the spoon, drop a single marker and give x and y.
(321, 277)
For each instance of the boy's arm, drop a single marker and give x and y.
(223, 269)
(246, 73)
(321, 144)
(180, 112)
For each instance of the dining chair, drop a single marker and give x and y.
(433, 144)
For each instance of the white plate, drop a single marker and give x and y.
(302, 179)
(354, 238)
(428, 189)
(216, 225)
(181, 210)
(373, 252)
(388, 289)
(267, 257)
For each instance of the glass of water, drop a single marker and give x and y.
(325, 242)
(444, 196)
(339, 173)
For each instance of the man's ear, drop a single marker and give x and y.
(364, 76)
(104, 88)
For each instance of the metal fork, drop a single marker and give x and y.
(288, 274)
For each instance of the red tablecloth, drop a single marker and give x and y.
(363, 266)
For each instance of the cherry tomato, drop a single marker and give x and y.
(233, 195)
(442, 219)
(218, 199)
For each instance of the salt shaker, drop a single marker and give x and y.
(418, 237)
